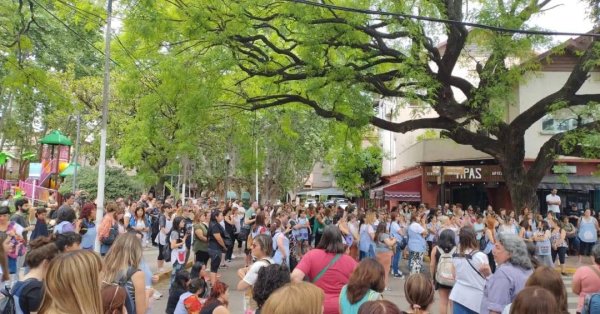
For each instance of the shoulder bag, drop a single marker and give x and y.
(331, 263)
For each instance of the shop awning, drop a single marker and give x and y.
(404, 190)
(566, 182)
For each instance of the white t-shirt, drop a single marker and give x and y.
(162, 237)
(553, 198)
(252, 273)
(177, 254)
(468, 289)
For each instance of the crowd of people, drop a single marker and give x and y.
(314, 259)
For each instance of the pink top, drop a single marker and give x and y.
(333, 280)
(590, 282)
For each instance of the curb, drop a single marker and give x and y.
(166, 274)
(568, 270)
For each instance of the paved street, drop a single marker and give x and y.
(396, 295)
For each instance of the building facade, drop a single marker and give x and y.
(447, 172)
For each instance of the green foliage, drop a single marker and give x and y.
(118, 183)
(356, 170)
(428, 135)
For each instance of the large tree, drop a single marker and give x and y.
(337, 63)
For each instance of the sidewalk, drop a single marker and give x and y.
(150, 256)
(571, 263)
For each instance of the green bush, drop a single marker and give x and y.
(117, 184)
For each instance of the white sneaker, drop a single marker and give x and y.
(233, 256)
(156, 295)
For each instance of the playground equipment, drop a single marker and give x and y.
(44, 177)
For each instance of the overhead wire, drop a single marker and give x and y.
(440, 20)
(72, 30)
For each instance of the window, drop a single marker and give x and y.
(551, 124)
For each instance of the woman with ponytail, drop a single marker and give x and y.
(419, 293)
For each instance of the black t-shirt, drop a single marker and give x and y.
(30, 296)
(215, 228)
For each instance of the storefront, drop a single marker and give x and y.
(580, 190)
(403, 187)
(477, 185)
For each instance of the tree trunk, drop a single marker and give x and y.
(5, 115)
(522, 194)
(522, 191)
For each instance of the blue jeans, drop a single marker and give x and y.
(362, 255)
(371, 251)
(396, 259)
(458, 308)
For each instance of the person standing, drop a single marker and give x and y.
(201, 237)
(417, 246)
(467, 292)
(216, 243)
(588, 233)
(262, 249)
(514, 268)
(88, 226)
(558, 239)
(443, 253)
(586, 279)
(165, 223)
(383, 248)
(249, 220)
(177, 239)
(543, 244)
(366, 284)
(109, 227)
(65, 291)
(328, 267)
(553, 201)
(281, 244)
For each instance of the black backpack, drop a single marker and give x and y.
(167, 249)
(10, 303)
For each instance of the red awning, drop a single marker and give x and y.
(407, 190)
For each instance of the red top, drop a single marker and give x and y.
(332, 281)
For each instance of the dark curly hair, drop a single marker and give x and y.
(269, 279)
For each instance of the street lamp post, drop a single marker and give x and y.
(105, 101)
(227, 161)
(267, 194)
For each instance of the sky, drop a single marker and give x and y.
(568, 16)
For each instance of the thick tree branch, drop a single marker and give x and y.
(567, 93)
(553, 147)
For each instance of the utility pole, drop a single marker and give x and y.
(256, 168)
(105, 101)
(76, 151)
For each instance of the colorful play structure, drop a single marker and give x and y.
(44, 177)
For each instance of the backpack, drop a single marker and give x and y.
(123, 283)
(167, 249)
(10, 303)
(591, 304)
(483, 243)
(112, 235)
(444, 272)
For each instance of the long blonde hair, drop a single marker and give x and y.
(72, 284)
(125, 252)
(295, 298)
(370, 218)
